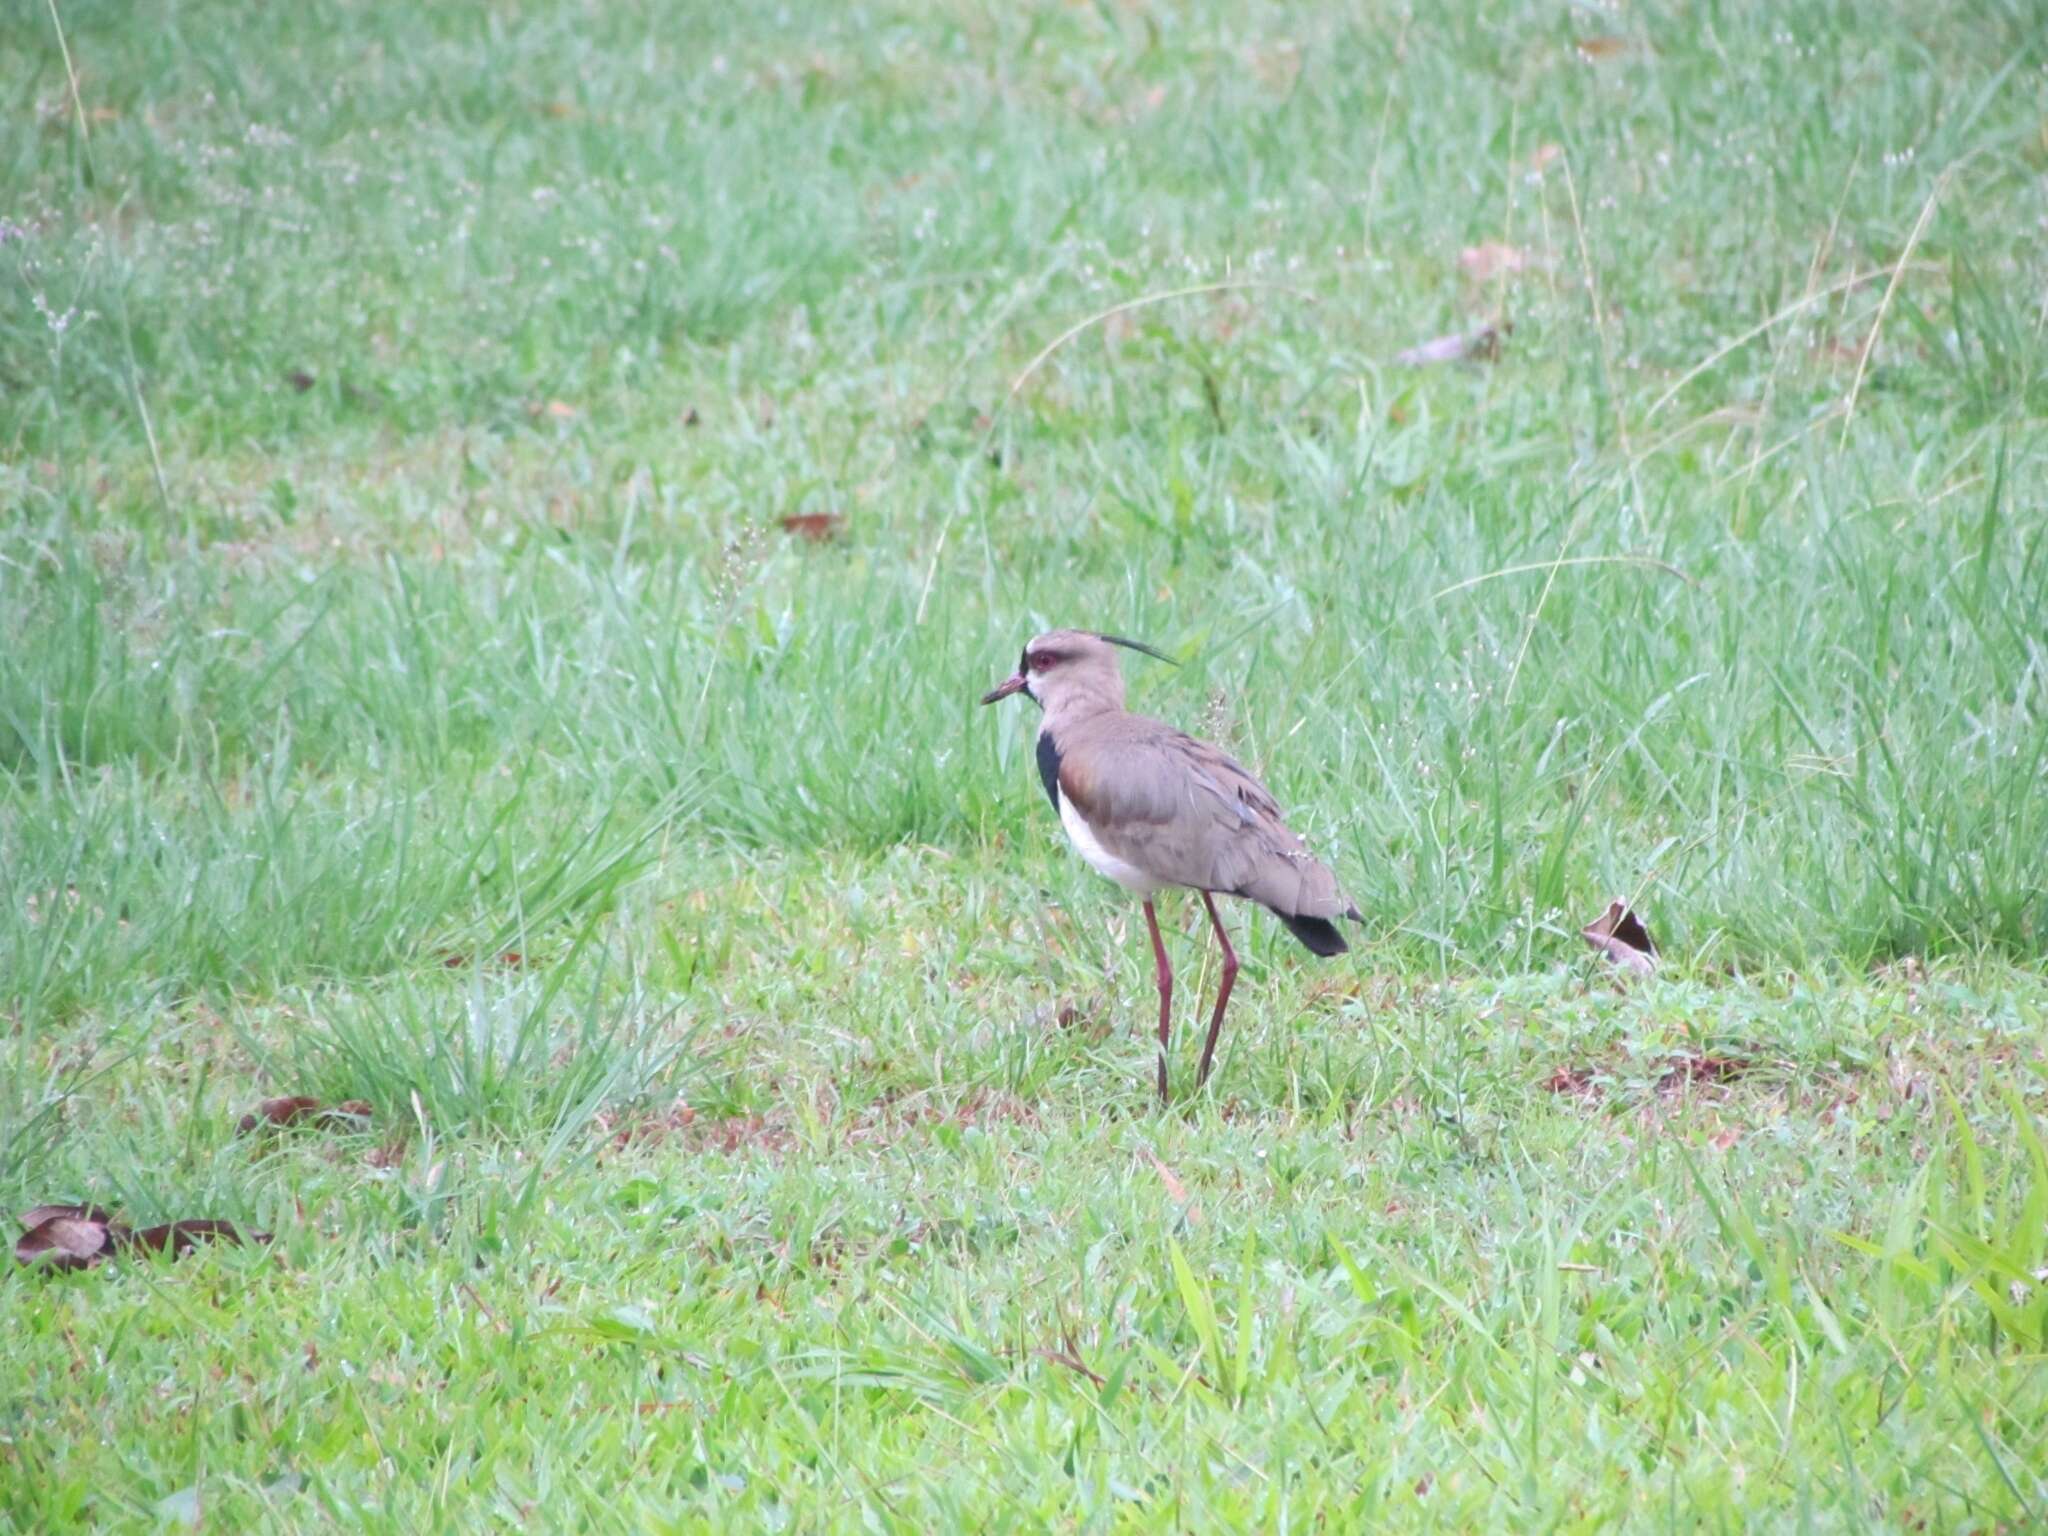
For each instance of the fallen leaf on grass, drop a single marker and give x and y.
(1723, 1140)
(43, 1213)
(815, 526)
(70, 1237)
(282, 1111)
(1176, 1191)
(1492, 258)
(1591, 48)
(353, 1114)
(65, 1242)
(1620, 935)
(1174, 1188)
(181, 1237)
(1482, 345)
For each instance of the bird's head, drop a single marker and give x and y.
(1071, 671)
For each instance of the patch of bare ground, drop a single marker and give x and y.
(683, 1126)
(1901, 1083)
(1686, 1075)
(1702, 1073)
(892, 1115)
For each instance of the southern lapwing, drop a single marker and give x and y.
(1150, 806)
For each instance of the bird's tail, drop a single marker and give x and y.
(1318, 934)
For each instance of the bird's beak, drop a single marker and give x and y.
(1014, 683)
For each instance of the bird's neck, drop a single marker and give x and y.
(1070, 712)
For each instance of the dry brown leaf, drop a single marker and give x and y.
(1176, 1191)
(284, 1111)
(67, 1242)
(299, 1108)
(1482, 345)
(181, 1237)
(561, 410)
(69, 1237)
(1724, 1139)
(42, 1213)
(1591, 48)
(818, 527)
(1620, 935)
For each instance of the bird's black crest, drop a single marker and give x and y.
(1049, 767)
(1139, 645)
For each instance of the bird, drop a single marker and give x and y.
(1150, 807)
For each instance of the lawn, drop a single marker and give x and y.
(505, 513)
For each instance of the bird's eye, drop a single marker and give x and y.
(1038, 661)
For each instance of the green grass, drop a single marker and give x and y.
(408, 693)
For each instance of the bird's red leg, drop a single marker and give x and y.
(1222, 992)
(1165, 974)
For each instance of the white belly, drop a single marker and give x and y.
(1099, 858)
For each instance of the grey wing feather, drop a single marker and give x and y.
(1190, 814)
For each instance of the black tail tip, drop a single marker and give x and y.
(1318, 934)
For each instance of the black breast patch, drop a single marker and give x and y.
(1049, 767)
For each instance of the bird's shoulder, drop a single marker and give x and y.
(1139, 767)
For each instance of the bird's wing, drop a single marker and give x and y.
(1189, 814)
